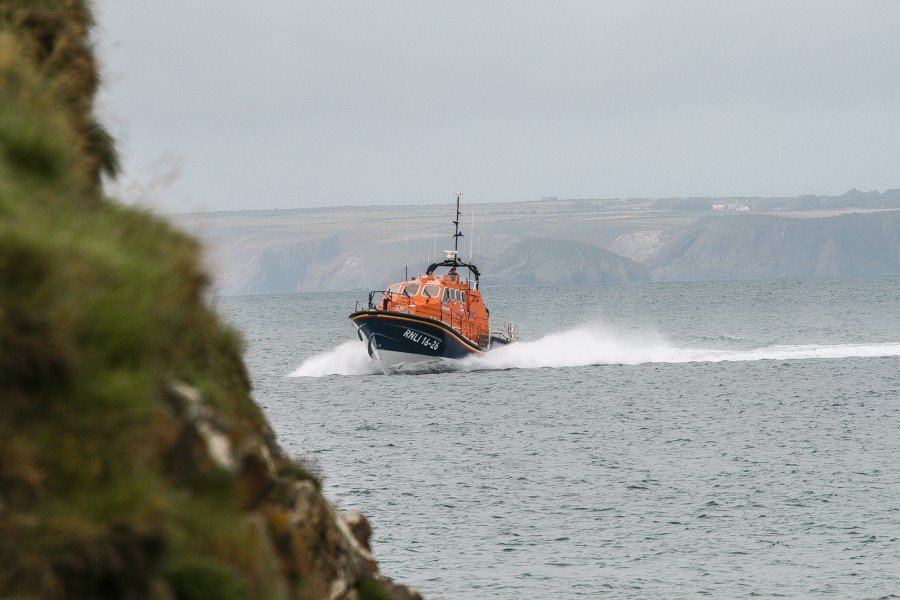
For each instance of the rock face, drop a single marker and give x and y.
(134, 462)
(334, 249)
(315, 545)
(553, 261)
(309, 264)
(637, 245)
(764, 247)
(318, 551)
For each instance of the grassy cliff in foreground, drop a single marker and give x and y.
(133, 460)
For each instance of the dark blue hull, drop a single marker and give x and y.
(399, 338)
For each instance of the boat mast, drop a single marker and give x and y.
(458, 234)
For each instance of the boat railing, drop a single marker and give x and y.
(506, 331)
(384, 293)
(447, 315)
(377, 298)
(380, 304)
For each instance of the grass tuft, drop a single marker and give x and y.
(204, 579)
(369, 589)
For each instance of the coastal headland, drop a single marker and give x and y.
(555, 241)
(134, 462)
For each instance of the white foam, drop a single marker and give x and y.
(590, 346)
(584, 346)
(350, 358)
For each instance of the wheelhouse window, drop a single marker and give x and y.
(411, 289)
(393, 289)
(431, 291)
(452, 295)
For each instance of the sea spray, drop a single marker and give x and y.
(590, 345)
(582, 346)
(350, 358)
(585, 346)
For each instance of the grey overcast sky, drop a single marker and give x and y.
(280, 104)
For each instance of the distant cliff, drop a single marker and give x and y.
(552, 261)
(764, 247)
(329, 249)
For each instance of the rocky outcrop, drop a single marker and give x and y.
(324, 551)
(554, 261)
(319, 546)
(299, 266)
(637, 245)
(766, 247)
(134, 462)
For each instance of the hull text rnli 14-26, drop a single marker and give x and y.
(430, 318)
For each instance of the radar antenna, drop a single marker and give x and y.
(458, 233)
(452, 256)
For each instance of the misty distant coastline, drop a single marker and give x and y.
(556, 241)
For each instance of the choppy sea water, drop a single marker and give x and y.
(729, 439)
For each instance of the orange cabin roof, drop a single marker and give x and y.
(446, 298)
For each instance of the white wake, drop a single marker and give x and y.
(350, 358)
(586, 346)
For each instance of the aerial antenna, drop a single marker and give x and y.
(472, 238)
(481, 231)
(458, 234)
(406, 260)
(434, 236)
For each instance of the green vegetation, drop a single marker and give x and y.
(204, 580)
(102, 308)
(370, 589)
(53, 36)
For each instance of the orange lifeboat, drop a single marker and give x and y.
(430, 318)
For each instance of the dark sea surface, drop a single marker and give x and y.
(727, 439)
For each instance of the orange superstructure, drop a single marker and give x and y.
(448, 299)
